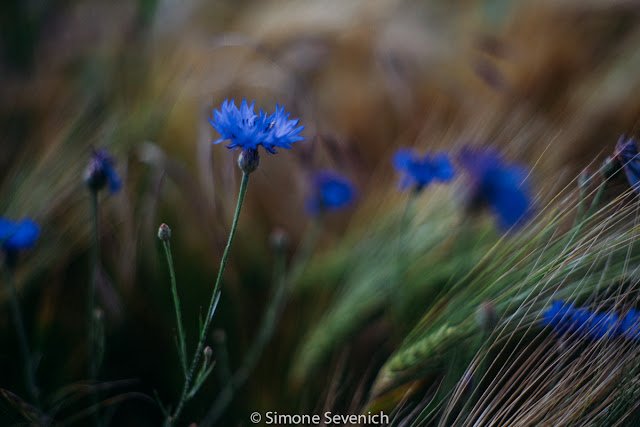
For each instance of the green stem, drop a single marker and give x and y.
(91, 297)
(212, 304)
(401, 264)
(16, 313)
(176, 302)
(252, 356)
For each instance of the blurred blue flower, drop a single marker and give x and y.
(498, 185)
(626, 153)
(101, 172)
(330, 192)
(17, 235)
(247, 130)
(418, 172)
(564, 318)
(630, 325)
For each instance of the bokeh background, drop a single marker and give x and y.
(552, 84)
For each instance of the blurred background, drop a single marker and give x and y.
(552, 84)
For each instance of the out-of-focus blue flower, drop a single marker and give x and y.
(418, 172)
(630, 325)
(626, 153)
(245, 129)
(101, 171)
(564, 318)
(330, 192)
(498, 185)
(17, 235)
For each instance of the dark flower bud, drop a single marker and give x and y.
(487, 317)
(608, 167)
(100, 172)
(207, 352)
(279, 239)
(164, 232)
(248, 160)
(583, 180)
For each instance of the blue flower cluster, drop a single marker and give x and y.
(247, 130)
(419, 171)
(330, 192)
(494, 183)
(101, 172)
(18, 235)
(565, 318)
(498, 185)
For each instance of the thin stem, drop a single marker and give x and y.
(91, 296)
(252, 356)
(212, 304)
(176, 302)
(400, 262)
(16, 313)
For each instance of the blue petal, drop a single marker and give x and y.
(24, 235)
(443, 168)
(627, 154)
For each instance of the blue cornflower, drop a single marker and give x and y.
(498, 185)
(418, 172)
(247, 130)
(557, 315)
(630, 325)
(101, 172)
(17, 235)
(626, 153)
(330, 192)
(566, 318)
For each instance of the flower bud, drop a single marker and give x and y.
(487, 317)
(583, 180)
(248, 160)
(207, 352)
(608, 167)
(279, 239)
(164, 232)
(100, 172)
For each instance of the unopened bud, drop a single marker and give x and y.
(583, 180)
(248, 160)
(608, 167)
(487, 317)
(207, 355)
(279, 239)
(164, 232)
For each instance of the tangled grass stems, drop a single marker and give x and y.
(594, 272)
(552, 263)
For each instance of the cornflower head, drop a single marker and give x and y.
(419, 171)
(626, 154)
(498, 185)
(16, 236)
(101, 172)
(564, 318)
(246, 130)
(330, 192)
